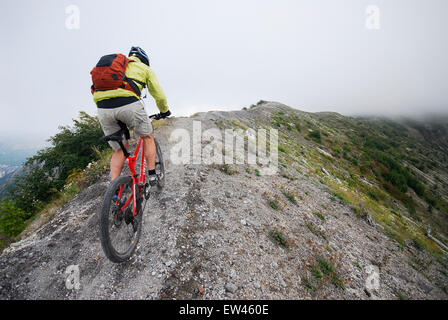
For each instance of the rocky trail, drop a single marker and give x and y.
(211, 235)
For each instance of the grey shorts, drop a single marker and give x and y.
(133, 115)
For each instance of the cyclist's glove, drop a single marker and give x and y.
(162, 115)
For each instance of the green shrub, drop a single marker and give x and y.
(337, 281)
(281, 120)
(228, 169)
(12, 219)
(46, 172)
(319, 215)
(308, 284)
(400, 295)
(372, 195)
(325, 267)
(282, 149)
(336, 150)
(418, 244)
(397, 179)
(239, 125)
(416, 185)
(315, 231)
(315, 135)
(279, 238)
(316, 273)
(328, 269)
(377, 143)
(289, 196)
(274, 204)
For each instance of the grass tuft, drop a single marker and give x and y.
(319, 215)
(279, 238)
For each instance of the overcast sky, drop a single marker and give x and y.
(313, 55)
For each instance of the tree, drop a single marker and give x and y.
(12, 219)
(46, 172)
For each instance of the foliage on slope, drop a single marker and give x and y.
(378, 166)
(77, 157)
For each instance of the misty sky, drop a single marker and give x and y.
(313, 55)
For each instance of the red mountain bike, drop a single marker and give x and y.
(120, 220)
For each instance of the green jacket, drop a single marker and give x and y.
(139, 71)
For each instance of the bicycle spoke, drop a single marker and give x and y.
(121, 232)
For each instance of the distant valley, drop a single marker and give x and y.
(12, 158)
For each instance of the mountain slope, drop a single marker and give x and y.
(219, 231)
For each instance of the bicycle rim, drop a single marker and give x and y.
(119, 230)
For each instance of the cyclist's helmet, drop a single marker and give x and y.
(139, 53)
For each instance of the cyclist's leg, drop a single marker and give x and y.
(108, 122)
(150, 151)
(117, 162)
(136, 118)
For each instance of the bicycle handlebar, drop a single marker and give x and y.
(157, 116)
(118, 136)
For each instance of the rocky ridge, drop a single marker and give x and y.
(214, 234)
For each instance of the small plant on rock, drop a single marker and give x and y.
(279, 238)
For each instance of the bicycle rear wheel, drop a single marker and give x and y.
(160, 166)
(119, 230)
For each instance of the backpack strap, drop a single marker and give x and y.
(132, 82)
(139, 82)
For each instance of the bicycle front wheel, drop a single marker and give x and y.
(119, 230)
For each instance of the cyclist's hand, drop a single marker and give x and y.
(162, 115)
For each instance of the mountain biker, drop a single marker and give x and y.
(125, 105)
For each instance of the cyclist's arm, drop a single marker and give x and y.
(156, 91)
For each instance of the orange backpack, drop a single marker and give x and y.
(110, 74)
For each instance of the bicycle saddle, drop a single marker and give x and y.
(118, 136)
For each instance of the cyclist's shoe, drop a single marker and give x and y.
(152, 178)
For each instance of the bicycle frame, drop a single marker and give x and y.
(137, 179)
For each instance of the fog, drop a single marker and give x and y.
(319, 55)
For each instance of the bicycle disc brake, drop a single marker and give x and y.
(128, 217)
(144, 191)
(117, 214)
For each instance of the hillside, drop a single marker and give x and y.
(351, 195)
